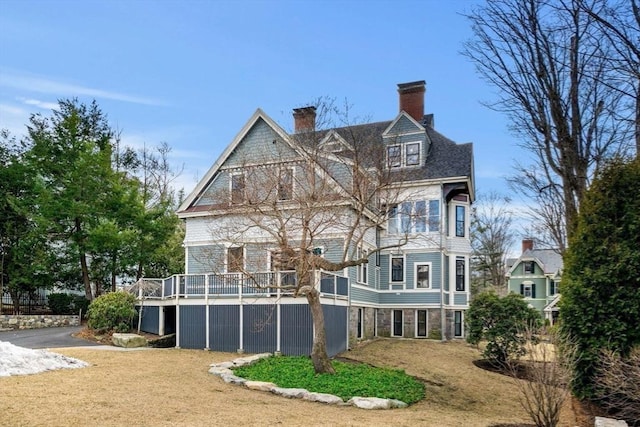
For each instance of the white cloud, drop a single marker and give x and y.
(39, 84)
(40, 104)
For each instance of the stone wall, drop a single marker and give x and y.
(37, 321)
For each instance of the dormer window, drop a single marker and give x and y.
(405, 154)
(412, 154)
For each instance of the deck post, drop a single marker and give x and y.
(206, 312)
(241, 322)
(176, 283)
(278, 315)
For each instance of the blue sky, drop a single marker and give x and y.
(191, 73)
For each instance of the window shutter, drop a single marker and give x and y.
(533, 269)
(522, 289)
(533, 290)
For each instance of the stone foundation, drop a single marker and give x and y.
(37, 321)
(378, 323)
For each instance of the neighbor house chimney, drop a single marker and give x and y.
(304, 119)
(412, 99)
(527, 245)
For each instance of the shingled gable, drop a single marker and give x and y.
(189, 207)
(393, 128)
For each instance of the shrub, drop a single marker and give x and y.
(112, 312)
(60, 303)
(500, 322)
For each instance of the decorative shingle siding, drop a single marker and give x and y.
(217, 189)
(403, 125)
(205, 259)
(258, 145)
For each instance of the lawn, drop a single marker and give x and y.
(163, 387)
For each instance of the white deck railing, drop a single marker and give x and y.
(266, 284)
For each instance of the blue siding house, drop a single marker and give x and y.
(379, 211)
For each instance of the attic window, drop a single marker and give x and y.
(405, 154)
(412, 154)
(529, 267)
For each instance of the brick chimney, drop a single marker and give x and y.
(527, 245)
(412, 99)
(304, 119)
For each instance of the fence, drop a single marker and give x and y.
(34, 302)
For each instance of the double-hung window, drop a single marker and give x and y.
(423, 279)
(460, 221)
(363, 270)
(397, 268)
(412, 154)
(285, 184)
(529, 267)
(405, 154)
(394, 156)
(460, 274)
(235, 259)
(237, 188)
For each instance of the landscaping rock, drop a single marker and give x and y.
(609, 422)
(219, 371)
(323, 398)
(369, 402)
(297, 393)
(128, 340)
(259, 385)
(232, 379)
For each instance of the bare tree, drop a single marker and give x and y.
(491, 238)
(542, 377)
(313, 200)
(618, 382)
(619, 23)
(550, 68)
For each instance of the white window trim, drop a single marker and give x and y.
(403, 154)
(454, 275)
(393, 321)
(389, 165)
(426, 330)
(415, 275)
(405, 145)
(404, 270)
(461, 324)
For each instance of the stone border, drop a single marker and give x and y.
(10, 322)
(224, 371)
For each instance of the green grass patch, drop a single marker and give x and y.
(350, 379)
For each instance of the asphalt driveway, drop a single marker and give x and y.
(46, 337)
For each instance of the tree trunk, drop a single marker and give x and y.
(83, 264)
(319, 356)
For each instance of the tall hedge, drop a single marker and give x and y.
(600, 304)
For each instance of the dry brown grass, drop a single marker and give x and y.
(162, 387)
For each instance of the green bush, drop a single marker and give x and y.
(60, 303)
(114, 311)
(501, 321)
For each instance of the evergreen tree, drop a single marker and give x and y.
(600, 287)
